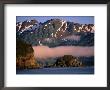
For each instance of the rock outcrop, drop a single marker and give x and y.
(68, 61)
(24, 56)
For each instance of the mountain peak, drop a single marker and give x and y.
(25, 25)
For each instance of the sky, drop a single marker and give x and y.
(76, 19)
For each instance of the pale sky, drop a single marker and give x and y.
(76, 19)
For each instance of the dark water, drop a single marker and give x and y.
(68, 70)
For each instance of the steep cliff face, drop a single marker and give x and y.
(24, 56)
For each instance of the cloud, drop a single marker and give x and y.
(44, 52)
(73, 37)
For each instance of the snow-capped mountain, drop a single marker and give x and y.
(26, 25)
(53, 32)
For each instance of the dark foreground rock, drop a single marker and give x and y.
(68, 61)
(25, 56)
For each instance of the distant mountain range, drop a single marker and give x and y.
(52, 33)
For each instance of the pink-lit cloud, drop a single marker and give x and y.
(73, 37)
(44, 52)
